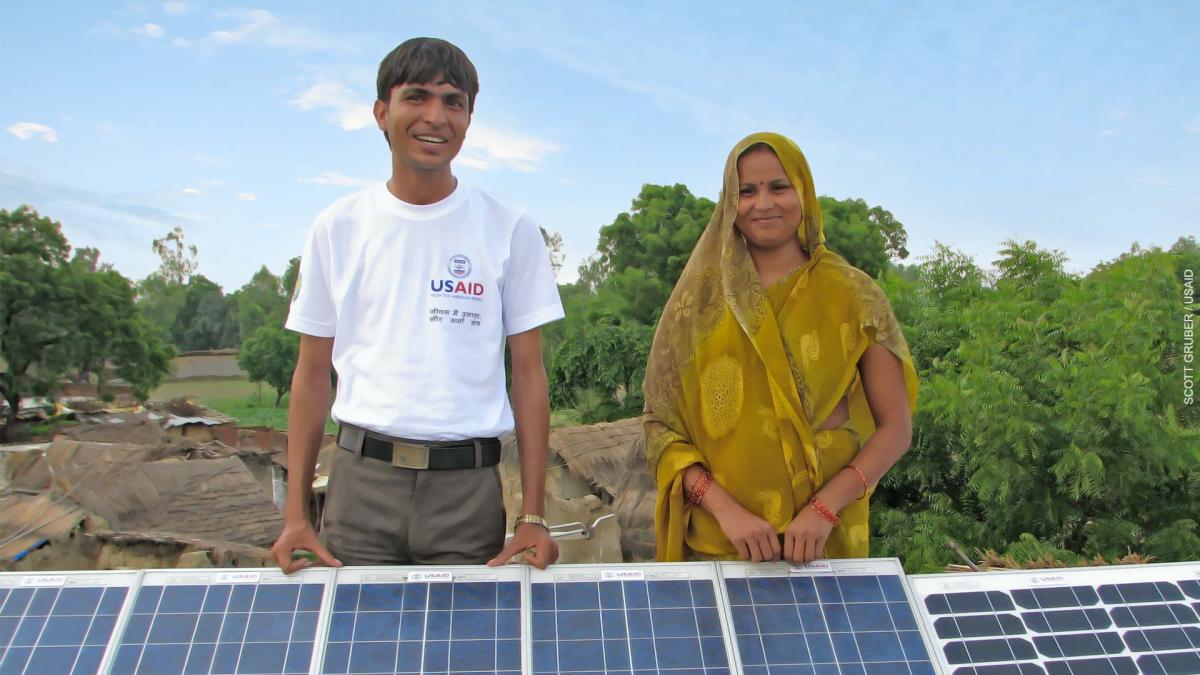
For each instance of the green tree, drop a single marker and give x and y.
(656, 235)
(178, 258)
(60, 315)
(260, 301)
(607, 360)
(205, 320)
(1048, 418)
(868, 237)
(554, 244)
(114, 333)
(269, 355)
(37, 326)
(160, 301)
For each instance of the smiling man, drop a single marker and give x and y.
(410, 290)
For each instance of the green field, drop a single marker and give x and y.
(252, 405)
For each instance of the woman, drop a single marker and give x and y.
(779, 388)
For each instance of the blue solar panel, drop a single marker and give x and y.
(59, 624)
(622, 619)
(1124, 620)
(836, 618)
(431, 621)
(202, 622)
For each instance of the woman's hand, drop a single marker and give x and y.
(804, 538)
(754, 538)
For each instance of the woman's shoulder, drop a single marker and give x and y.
(839, 274)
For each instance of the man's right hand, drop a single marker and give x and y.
(300, 537)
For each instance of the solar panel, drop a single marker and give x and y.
(830, 617)
(425, 620)
(661, 618)
(1119, 619)
(227, 621)
(59, 623)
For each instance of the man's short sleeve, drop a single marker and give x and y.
(312, 310)
(530, 293)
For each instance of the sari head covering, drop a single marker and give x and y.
(740, 377)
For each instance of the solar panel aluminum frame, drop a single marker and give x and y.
(130, 580)
(690, 571)
(853, 566)
(427, 574)
(257, 576)
(925, 585)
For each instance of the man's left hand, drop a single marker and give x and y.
(532, 540)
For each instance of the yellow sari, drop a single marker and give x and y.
(739, 376)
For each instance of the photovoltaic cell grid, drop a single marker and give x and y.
(428, 621)
(834, 618)
(59, 623)
(230, 622)
(1125, 620)
(622, 619)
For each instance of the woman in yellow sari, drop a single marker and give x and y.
(779, 388)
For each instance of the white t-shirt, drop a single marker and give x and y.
(419, 300)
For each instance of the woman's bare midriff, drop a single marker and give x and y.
(837, 418)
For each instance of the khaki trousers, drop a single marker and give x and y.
(379, 514)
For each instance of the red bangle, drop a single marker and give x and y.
(823, 511)
(700, 487)
(861, 477)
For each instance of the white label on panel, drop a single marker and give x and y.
(238, 577)
(414, 577)
(623, 575)
(44, 580)
(1045, 579)
(814, 566)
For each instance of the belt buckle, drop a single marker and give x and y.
(409, 456)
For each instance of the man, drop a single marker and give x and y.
(408, 290)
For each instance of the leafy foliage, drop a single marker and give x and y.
(270, 356)
(61, 314)
(1048, 411)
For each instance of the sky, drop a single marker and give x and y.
(1074, 124)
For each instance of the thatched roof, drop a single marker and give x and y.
(597, 452)
(135, 490)
(26, 521)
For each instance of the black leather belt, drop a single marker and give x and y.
(409, 454)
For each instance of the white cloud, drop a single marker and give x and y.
(261, 27)
(246, 196)
(191, 191)
(491, 148)
(472, 163)
(332, 179)
(175, 8)
(1107, 132)
(1156, 180)
(151, 30)
(1193, 127)
(28, 130)
(349, 111)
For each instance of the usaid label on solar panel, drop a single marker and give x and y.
(658, 618)
(60, 622)
(1118, 619)
(223, 621)
(425, 620)
(828, 618)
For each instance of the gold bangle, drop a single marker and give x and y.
(530, 518)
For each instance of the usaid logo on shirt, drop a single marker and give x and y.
(459, 267)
